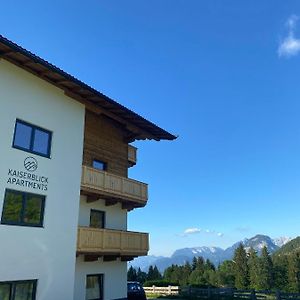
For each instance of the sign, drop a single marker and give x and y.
(30, 164)
(27, 178)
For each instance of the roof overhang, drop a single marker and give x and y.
(137, 127)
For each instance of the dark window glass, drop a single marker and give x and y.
(18, 290)
(99, 165)
(4, 291)
(23, 134)
(12, 209)
(23, 291)
(41, 141)
(22, 208)
(33, 209)
(97, 219)
(32, 139)
(94, 287)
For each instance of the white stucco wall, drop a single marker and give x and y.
(115, 278)
(115, 272)
(115, 216)
(48, 253)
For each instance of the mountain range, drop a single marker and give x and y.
(215, 254)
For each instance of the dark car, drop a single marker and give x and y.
(135, 291)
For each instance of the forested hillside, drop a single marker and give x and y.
(246, 270)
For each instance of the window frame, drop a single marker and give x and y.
(23, 209)
(100, 282)
(32, 139)
(103, 217)
(13, 284)
(101, 162)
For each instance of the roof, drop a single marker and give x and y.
(138, 127)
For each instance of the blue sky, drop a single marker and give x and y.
(223, 75)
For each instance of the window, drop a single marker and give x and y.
(94, 287)
(18, 290)
(23, 209)
(32, 139)
(97, 219)
(99, 165)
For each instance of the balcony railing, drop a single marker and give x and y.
(111, 242)
(113, 186)
(132, 155)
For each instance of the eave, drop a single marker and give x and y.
(137, 127)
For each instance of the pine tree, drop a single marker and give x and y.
(186, 270)
(200, 263)
(197, 278)
(225, 274)
(194, 263)
(265, 271)
(209, 265)
(294, 272)
(173, 274)
(150, 274)
(131, 274)
(141, 276)
(253, 265)
(241, 268)
(280, 263)
(156, 274)
(168, 274)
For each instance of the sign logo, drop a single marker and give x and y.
(30, 164)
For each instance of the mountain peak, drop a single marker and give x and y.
(281, 241)
(215, 254)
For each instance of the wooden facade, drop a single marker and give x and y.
(104, 140)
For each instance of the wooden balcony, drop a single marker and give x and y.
(132, 155)
(94, 242)
(113, 188)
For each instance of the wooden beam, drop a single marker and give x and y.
(110, 202)
(91, 257)
(3, 54)
(29, 62)
(128, 206)
(127, 258)
(110, 257)
(106, 195)
(91, 198)
(89, 106)
(98, 110)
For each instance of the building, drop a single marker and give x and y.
(64, 190)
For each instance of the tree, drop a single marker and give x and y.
(197, 278)
(280, 267)
(200, 263)
(241, 268)
(194, 263)
(294, 272)
(168, 273)
(141, 276)
(131, 274)
(150, 273)
(265, 271)
(209, 265)
(156, 274)
(225, 274)
(153, 274)
(253, 265)
(186, 270)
